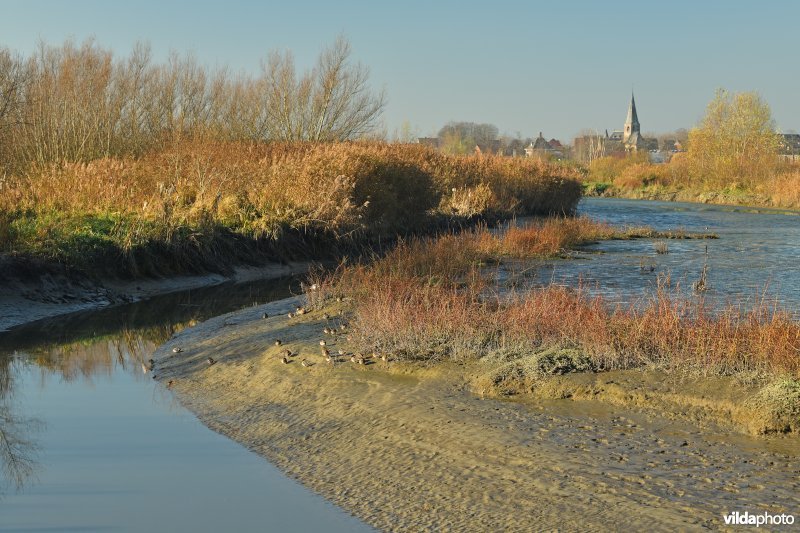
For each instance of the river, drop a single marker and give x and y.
(111, 450)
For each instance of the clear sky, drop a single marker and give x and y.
(553, 66)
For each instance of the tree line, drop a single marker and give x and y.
(78, 102)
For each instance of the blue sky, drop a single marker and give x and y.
(551, 66)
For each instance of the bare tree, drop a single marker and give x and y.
(463, 137)
(589, 145)
(14, 76)
(12, 80)
(77, 102)
(332, 102)
(17, 450)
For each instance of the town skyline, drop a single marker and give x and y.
(523, 67)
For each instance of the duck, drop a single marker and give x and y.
(384, 358)
(305, 363)
(329, 359)
(177, 349)
(326, 316)
(353, 358)
(341, 352)
(322, 342)
(326, 352)
(290, 315)
(285, 360)
(144, 369)
(210, 361)
(170, 383)
(265, 315)
(300, 310)
(277, 342)
(326, 331)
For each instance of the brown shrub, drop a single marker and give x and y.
(342, 186)
(642, 175)
(431, 300)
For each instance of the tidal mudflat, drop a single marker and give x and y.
(405, 447)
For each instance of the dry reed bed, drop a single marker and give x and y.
(636, 177)
(185, 196)
(432, 300)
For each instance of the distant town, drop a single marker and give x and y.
(466, 137)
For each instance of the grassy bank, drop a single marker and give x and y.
(435, 301)
(207, 205)
(635, 177)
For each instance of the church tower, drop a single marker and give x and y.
(631, 123)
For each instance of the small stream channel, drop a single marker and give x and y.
(112, 451)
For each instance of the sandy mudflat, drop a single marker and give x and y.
(409, 449)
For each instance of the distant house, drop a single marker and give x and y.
(493, 147)
(789, 145)
(433, 142)
(541, 147)
(615, 136)
(669, 145)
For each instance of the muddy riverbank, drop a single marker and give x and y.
(745, 201)
(28, 294)
(410, 448)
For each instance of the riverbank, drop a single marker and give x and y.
(774, 185)
(25, 297)
(200, 206)
(742, 200)
(407, 447)
(195, 212)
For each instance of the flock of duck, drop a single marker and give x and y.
(287, 356)
(331, 358)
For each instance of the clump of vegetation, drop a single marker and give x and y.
(202, 206)
(607, 169)
(661, 247)
(735, 142)
(779, 404)
(513, 374)
(433, 300)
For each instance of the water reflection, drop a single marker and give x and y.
(152, 318)
(18, 450)
(118, 453)
(91, 344)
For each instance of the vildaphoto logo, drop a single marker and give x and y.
(764, 519)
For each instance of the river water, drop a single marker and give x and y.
(110, 449)
(755, 259)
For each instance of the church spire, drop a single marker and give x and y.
(632, 122)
